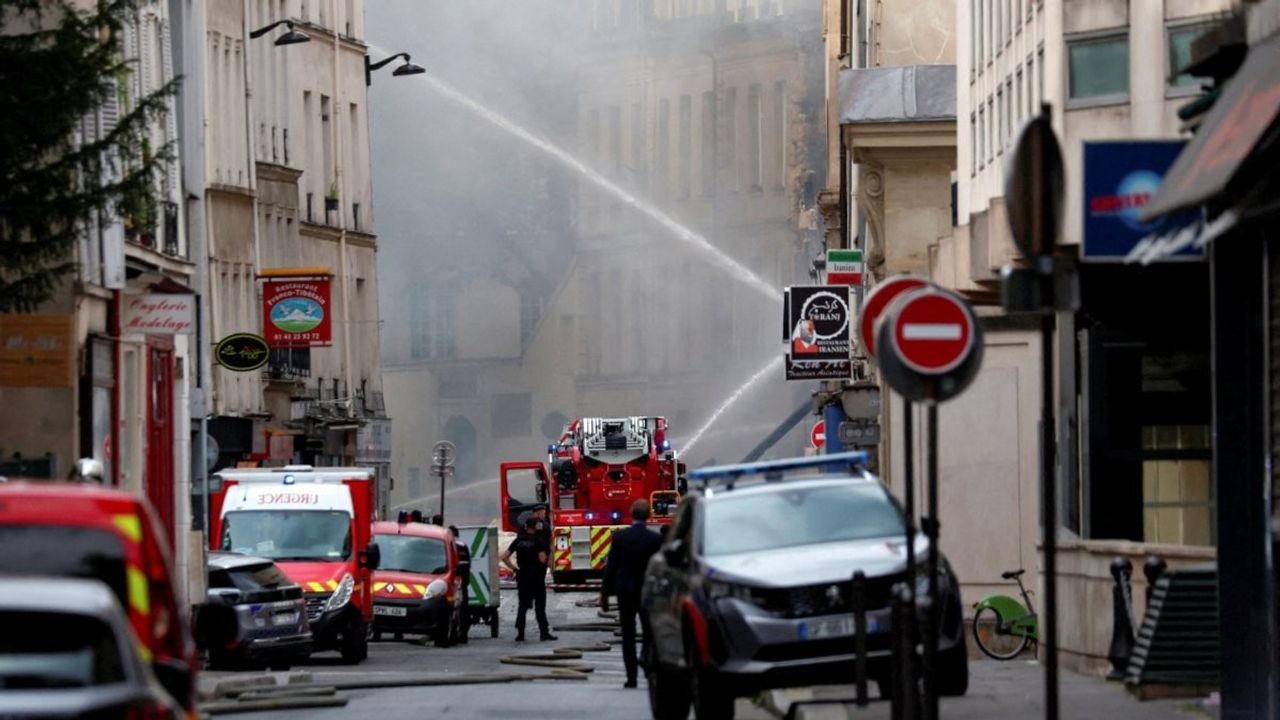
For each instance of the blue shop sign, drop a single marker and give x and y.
(1120, 178)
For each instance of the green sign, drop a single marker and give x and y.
(242, 352)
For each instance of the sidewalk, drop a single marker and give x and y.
(1000, 690)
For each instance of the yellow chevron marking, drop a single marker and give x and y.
(139, 594)
(405, 589)
(377, 587)
(422, 589)
(315, 587)
(333, 584)
(130, 525)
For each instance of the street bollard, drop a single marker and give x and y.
(904, 702)
(1153, 568)
(860, 636)
(1122, 621)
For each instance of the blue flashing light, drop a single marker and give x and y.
(289, 480)
(591, 516)
(777, 466)
(666, 444)
(551, 448)
(616, 515)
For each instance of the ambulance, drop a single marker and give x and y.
(315, 524)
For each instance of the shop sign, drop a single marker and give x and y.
(844, 267)
(36, 351)
(242, 352)
(296, 313)
(1120, 178)
(160, 314)
(818, 323)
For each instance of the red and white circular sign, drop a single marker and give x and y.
(818, 435)
(932, 332)
(877, 300)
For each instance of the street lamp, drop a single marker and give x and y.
(408, 68)
(293, 37)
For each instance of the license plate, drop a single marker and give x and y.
(286, 618)
(391, 610)
(827, 628)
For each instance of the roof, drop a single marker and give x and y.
(231, 561)
(57, 594)
(60, 490)
(426, 530)
(791, 483)
(304, 473)
(903, 94)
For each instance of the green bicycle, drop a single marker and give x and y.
(1002, 626)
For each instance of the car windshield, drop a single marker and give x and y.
(288, 534)
(45, 650)
(407, 553)
(64, 551)
(799, 516)
(249, 578)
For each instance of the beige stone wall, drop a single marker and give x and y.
(1263, 20)
(910, 32)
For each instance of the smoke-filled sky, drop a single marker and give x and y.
(459, 200)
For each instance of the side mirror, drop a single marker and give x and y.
(371, 558)
(177, 680)
(682, 485)
(676, 553)
(440, 570)
(215, 624)
(542, 492)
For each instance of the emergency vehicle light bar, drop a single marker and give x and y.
(773, 469)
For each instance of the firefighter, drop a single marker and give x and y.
(543, 526)
(624, 577)
(532, 555)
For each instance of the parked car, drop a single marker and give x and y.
(67, 651)
(87, 531)
(753, 588)
(271, 615)
(417, 588)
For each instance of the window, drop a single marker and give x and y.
(731, 135)
(1098, 68)
(615, 140)
(708, 144)
(976, 54)
(1000, 121)
(755, 139)
(1180, 39)
(997, 33)
(685, 178)
(780, 125)
(637, 142)
(1031, 78)
(973, 145)
(1177, 490)
(1009, 110)
(512, 415)
(1019, 111)
(991, 129)
(662, 159)
(982, 138)
(326, 142)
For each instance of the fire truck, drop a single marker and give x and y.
(595, 471)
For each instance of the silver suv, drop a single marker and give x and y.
(753, 588)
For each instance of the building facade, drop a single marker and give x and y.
(699, 128)
(1132, 364)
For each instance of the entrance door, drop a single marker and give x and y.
(160, 438)
(524, 484)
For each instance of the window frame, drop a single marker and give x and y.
(1200, 22)
(1097, 38)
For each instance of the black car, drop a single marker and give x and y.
(753, 589)
(271, 614)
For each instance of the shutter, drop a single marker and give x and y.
(1273, 371)
(112, 228)
(172, 177)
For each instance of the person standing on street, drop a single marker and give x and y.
(624, 577)
(531, 555)
(543, 525)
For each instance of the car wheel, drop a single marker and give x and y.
(355, 645)
(377, 636)
(668, 692)
(953, 670)
(399, 636)
(711, 700)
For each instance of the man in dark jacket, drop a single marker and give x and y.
(531, 555)
(624, 577)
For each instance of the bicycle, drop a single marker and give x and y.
(1002, 626)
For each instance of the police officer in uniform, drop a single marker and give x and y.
(624, 577)
(531, 554)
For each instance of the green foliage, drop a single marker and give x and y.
(58, 66)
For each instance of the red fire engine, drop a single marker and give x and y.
(598, 468)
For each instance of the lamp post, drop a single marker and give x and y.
(408, 68)
(293, 37)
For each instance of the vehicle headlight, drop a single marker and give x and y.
(717, 589)
(342, 595)
(436, 589)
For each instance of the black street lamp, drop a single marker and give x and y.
(293, 37)
(408, 68)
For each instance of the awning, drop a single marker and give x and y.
(1228, 136)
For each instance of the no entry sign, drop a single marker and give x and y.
(877, 301)
(818, 436)
(930, 344)
(932, 332)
